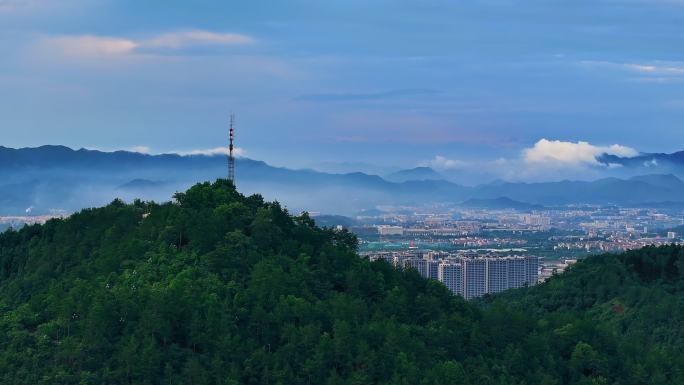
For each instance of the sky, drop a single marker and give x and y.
(497, 85)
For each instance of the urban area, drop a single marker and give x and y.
(478, 251)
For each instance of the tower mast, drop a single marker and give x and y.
(231, 158)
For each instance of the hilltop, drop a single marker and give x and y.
(221, 288)
(417, 173)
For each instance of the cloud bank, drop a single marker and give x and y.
(207, 152)
(546, 160)
(97, 46)
(559, 153)
(440, 162)
(140, 149)
(213, 151)
(656, 71)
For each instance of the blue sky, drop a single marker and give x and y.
(393, 83)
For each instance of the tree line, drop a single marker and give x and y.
(221, 288)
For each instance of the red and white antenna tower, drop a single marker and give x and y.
(231, 158)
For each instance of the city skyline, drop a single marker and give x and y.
(483, 85)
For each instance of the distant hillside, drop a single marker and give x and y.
(602, 191)
(56, 177)
(221, 288)
(52, 177)
(668, 181)
(56, 157)
(141, 184)
(649, 163)
(334, 220)
(418, 173)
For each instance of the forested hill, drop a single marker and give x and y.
(219, 288)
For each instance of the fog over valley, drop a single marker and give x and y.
(57, 179)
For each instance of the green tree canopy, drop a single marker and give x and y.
(220, 288)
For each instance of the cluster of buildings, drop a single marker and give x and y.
(466, 274)
(425, 230)
(448, 220)
(555, 233)
(616, 242)
(536, 221)
(551, 268)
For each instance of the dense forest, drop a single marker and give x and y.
(219, 288)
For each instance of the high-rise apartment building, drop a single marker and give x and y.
(517, 272)
(450, 273)
(497, 275)
(418, 264)
(532, 270)
(433, 269)
(474, 277)
(489, 275)
(390, 230)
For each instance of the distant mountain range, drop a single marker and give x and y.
(57, 177)
(659, 162)
(418, 173)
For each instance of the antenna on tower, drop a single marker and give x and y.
(231, 158)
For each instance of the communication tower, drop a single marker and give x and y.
(231, 158)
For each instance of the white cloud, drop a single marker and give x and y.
(208, 152)
(177, 40)
(213, 151)
(664, 69)
(140, 149)
(559, 153)
(97, 46)
(14, 7)
(88, 45)
(442, 163)
(654, 72)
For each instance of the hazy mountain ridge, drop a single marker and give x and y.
(417, 173)
(137, 184)
(56, 177)
(658, 162)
